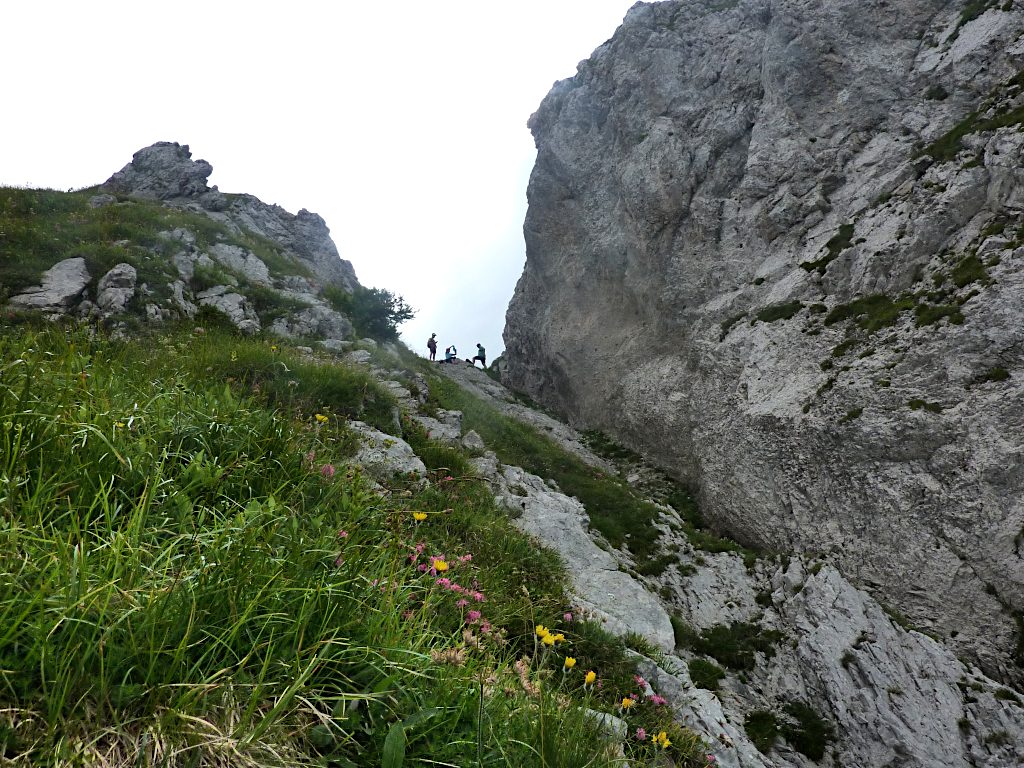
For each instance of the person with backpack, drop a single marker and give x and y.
(432, 345)
(481, 355)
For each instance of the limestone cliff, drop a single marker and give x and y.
(776, 247)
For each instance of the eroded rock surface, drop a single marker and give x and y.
(756, 255)
(62, 285)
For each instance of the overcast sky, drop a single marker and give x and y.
(403, 123)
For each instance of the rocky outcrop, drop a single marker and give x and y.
(62, 285)
(165, 171)
(776, 247)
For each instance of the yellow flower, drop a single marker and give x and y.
(590, 677)
(559, 638)
(548, 639)
(440, 565)
(661, 740)
(542, 631)
(273, 347)
(419, 517)
(569, 663)
(627, 703)
(118, 425)
(320, 418)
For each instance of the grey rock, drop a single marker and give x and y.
(99, 201)
(336, 345)
(471, 441)
(317, 320)
(180, 301)
(692, 175)
(610, 725)
(234, 305)
(384, 456)
(62, 284)
(358, 357)
(116, 288)
(243, 262)
(161, 171)
(439, 430)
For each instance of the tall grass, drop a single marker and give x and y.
(190, 575)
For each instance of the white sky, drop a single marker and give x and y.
(403, 123)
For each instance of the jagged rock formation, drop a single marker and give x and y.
(165, 171)
(776, 247)
(196, 265)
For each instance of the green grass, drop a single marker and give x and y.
(997, 373)
(930, 314)
(969, 270)
(762, 728)
(807, 732)
(191, 575)
(950, 144)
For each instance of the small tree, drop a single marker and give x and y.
(374, 312)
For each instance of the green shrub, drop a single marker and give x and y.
(809, 734)
(918, 404)
(374, 312)
(838, 243)
(783, 311)
(871, 312)
(929, 314)
(762, 729)
(734, 645)
(705, 674)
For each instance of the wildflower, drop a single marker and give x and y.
(485, 627)
(422, 567)
(327, 470)
(310, 457)
(456, 657)
(641, 734)
(589, 678)
(462, 603)
(568, 618)
(473, 616)
(440, 565)
(273, 347)
(568, 664)
(627, 702)
(465, 558)
(662, 739)
(657, 700)
(320, 418)
(479, 597)
(342, 534)
(559, 638)
(522, 667)
(640, 681)
(711, 759)
(419, 517)
(118, 425)
(542, 631)
(548, 640)
(444, 582)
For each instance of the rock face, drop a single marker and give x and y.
(776, 247)
(116, 288)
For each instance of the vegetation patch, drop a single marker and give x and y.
(871, 312)
(808, 733)
(374, 312)
(998, 373)
(762, 728)
(968, 270)
(917, 405)
(782, 311)
(930, 314)
(705, 674)
(838, 243)
(735, 645)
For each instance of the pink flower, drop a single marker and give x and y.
(327, 470)
(342, 534)
(640, 681)
(568, 617)
(339, 561)
(444, 582)
(711, 759)
(641, 734)
(657, 700)
(479, 597)
(465, 558)
(462, 603)
(473, 616)
(422, 567)
(420, 547)
(485, 627)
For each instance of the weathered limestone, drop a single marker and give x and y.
(62, 285)
(713, 189)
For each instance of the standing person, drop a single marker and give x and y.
(481, 355)
(432, 345)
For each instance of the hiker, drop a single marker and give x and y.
(481, 355)
(432, 345)
(450, 354)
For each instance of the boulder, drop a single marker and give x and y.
(115, 289)
(385, 457)
(62, 285)
(234, 305)
(162, 171)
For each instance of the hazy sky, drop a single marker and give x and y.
(402, 123)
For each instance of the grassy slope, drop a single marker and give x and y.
(189, 574)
